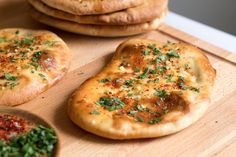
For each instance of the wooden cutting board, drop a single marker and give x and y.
(213, 135)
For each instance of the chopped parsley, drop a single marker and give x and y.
(27, 41)
(105, 80)
(37, 55)
(161, 69)
(136, 70)
(36, 66)
(156, 52)
(163, 57)
(155, 120)
(13, 60)
(39, 141)
(13, 84)
(144, 74)
(195, 89)
(146, 52)
(49, 43)
(24, 55)
(140, 119)
(181, 84)
(162, 93)
(43, 76)
(111, 103)
(130, 94)
(156, 80)
(165, 110)
(158, 103)
(153, 46)
(140, 107)
(132, 112)
(129, 82)
(169, 78)
(173, 54)
(9, 77)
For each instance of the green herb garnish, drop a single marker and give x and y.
(140, 119)
(156, 80)
(43, 76)
(13, 60)
(173, 54)
(36, 66)
(195, 89)
(50, 43)
(37, 55)
(144, 74)
(132, 112)
(146, 52)
(162, 57)
(39, 141)
(153, 46)
(155, 120)
(105, 80)
(13, 84)
(136, 70)
(156, 52)
(129, 82)
(169, 78)
(162, 93)
(165, 110)
(141, 108)
(27, 41)
(110, 103)
(161, 69)
(9, 77)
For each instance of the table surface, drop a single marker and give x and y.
(204, 32)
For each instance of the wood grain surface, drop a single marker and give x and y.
(213, 135)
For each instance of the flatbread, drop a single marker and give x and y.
(31, 61)
(149, 89)
(139, 14)
(98, 30)
(89, 7)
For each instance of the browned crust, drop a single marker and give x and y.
(107, 125)
(32, 85)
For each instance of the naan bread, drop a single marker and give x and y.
(139, 14)
(149, 89)
(30, 62)
(88, 7)
(98, 30)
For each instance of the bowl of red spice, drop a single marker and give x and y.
(25, 134)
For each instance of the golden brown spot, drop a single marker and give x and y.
(47, 61)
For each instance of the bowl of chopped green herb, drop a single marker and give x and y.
(24, 134)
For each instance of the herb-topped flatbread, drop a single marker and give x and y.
(30, 62)
(149, 89)
(20, 137)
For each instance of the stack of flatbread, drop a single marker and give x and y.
(108, 18)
